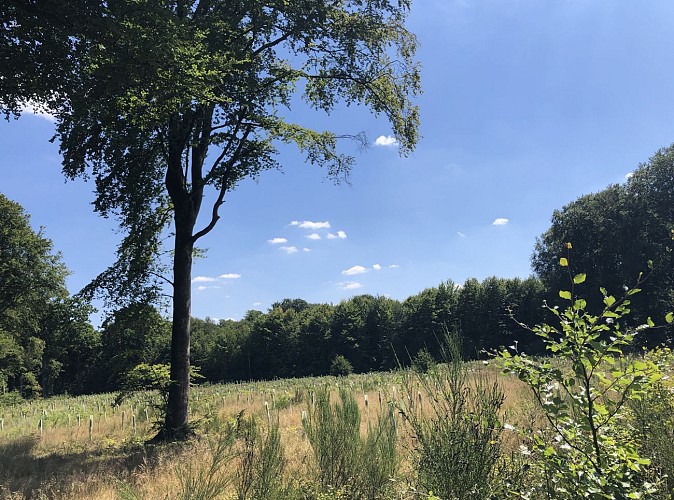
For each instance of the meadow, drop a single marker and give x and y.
(462, 427)
(89, 446)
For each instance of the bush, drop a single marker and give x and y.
(347, 463)
(423, 361)
(652, 418)
(587, 446)
(261, 462)
(340, 366)
(454, 418)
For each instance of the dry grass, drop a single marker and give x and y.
(65, 462)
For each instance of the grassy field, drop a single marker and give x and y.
(89, 447)
(85, 447)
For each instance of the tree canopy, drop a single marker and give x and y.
(34, 306)
(616, 234)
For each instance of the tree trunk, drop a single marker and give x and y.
(185, 213)
(176, 423)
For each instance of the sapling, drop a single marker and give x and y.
(583, 388)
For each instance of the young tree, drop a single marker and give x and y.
(168, 100)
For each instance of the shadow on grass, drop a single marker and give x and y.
(27, 472)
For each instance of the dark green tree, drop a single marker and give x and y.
(32, 278)
(72, 348)
(428, 316)
(130, 336)
(274, 345)
(614, 233)
(167, 101)
(314, 339)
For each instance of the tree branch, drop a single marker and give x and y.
(223, 189)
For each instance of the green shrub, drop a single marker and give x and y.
(423, 361)
(355, 466)
(454, 417)
(652, 418)
(10, 399)
(588, 445)
(261, 463)
(209, 480)
(340, 366)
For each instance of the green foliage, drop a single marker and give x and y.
(340, 366)
(32, 279)
(209, 480)
(10, 398)
(261, 462)
(618, 232)
(133, 335)
(454, 418)
(423, 361)
(652, 418)
(346, 462)
(587, 446)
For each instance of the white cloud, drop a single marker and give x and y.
(256, 304)
(200, 288)
(501, 221)
(277, 241)
(354, 270)
(306, 249)
(393, 266)
(314, 236)
(386, 140)
(629, 175)
(340, 234)
(229, 276)
(350, 285)
(460, 234)
(203, 279)
(32, 109)
(377, 267)
(307, 224)
(289, 250)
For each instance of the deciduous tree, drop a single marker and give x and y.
(166, 101)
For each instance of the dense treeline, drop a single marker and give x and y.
(296, 339)
(48, 346)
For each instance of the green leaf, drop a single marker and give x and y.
(650, 322)
(563, 262)
(609, 300)
(669, 317)
(579, 278)
(565, 294)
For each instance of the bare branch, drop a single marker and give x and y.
(223, 189)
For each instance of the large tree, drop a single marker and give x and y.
(166, 103)
(32, 278)
(614, 234)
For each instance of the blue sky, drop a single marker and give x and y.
(527, 105)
